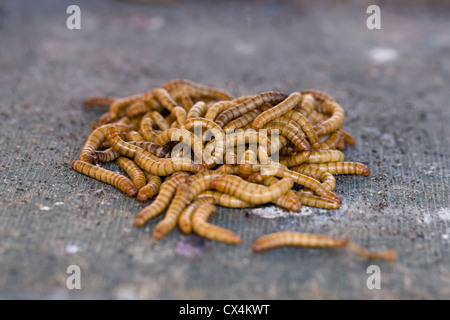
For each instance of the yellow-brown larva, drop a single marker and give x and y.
(185, 220)
(295, 159)
(334, 122)
(246, 191)
(198, 110)
(348, 138)
(176, 207)
(225, 200)
(327, 179)
(210, 231)
(118, 106)
(270, 97)
(307, 104)
(318, 95)
(292, 132)
(167, 167)
(159, 120)
(344, 167)
(306, 126)
(133, 171)
(331, 141)
(163, 97)
(288, 238)
(184, 136)
(178, 86)
(150, 189)
(134, 136)
(288, 201)
(100, 101)
(162, 200)
(218, 108)
(389, 255)
(246, 163)
(312, 200)
(241, 121)
(180, 114)
(323, 156)
(277, 111)
(118, 144)
(115, 179)
(186, 101)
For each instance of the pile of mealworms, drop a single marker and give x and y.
(191, 148)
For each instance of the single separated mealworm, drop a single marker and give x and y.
(343, 167)
(246, 191)
(270, 97)
(185, 219)
(166, 192)
(150, 189)
(133, 171)
(167, 167)
(210, 231)
(176, 207)
(288, 238)
(115, 179)
(277, 111)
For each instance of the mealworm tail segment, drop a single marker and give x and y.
(185, 220)
(388, 255)
(279, 239)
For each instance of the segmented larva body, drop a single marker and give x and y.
(119, 145)
(318, 95)
(287, 238)
(344, 168)
(134, 136)
(166, 192)
(224, 200)
(176, 87)
(288, 201)
(246, 163)
(218, 108)
(180, 114)
(246, 191)
(295, 159)
(270, 97)
(184, 222)
(105, 118)
(115, 179)
(176, 207)
(280, 109)
(201, 181)
(100, 101)
(332, 141)
(348, 138)
(150, 189)
(210, 231)
(241, 121)
(312, 200)
(184, 136)
(389, 255)
(96, 138)
(306, 127)
(334, 122)
(291, 132)
(327, 179)
(167, 167)
(133, 171)
(119, 105)
(186, 101)
(159, 120)
(163, 97)
(307, 104)
(199, 109)
(323, 156)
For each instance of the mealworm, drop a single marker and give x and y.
(145, 128)
(176, 206)
(184, 136)
(318, 95)
(166, 192)
(201, 181)
(163, 97)
(96, 138)
(246, 163)
(332, 141)
(115, 179)
(159, 120)
(389, 255)
(344, 168)
(306, 126)
(166, 168)
(270, 97)
(197, 110)
(118, 144)
(218, 108)
(186, 101)
(277, 111)
(323, 156)
(316, 117)
(334, 122)
(327, 179)
(150, 189)
(101, 101)
(244, 190)
(290, 131)
(348, 138)
(316, 201)
(289, 238)
(295, 159)
(110, 154)
(180, 114)
(241, 121)
(134, 136)
(185, 219)
(307, 105)
(176, 87)
(210, 231)
(288, 201)
(225, 200)
(118, 106)
(133, 171)
(105, 118)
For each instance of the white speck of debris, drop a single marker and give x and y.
(45, 208)
(58, 203)
(72, 248)
(244, 48)
(383, 54)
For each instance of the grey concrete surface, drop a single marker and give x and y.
(393, 83)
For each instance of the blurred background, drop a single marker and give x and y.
(393, 83)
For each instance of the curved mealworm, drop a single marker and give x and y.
(186, 101)
(295, 159)
(316, 201)
(277, 111)
(133, 171)
(389, 255)
(327, 179)
(166, 192)
(323, 156)
(134, 136)
(159, 120)
(318, 95)
(184, 221)
(166, 168)
(241, 121)
(105, 118)
(290, 131)
(224, 200)
(115, 179)
(150, 189)
(96, 138)
(306, 126)
(180, 114)
(288, 238)
(145, 128)
(100, 101)
(118, 144)
(270, 97)
(334, 122)
(210, 231)
(332, 141)
(316, 117)
(197, 110)
(184, 136)
(343, 167)
(163, 97)
(246, 163)
(118, 106)
(307, 105)
(177, 205)
(348, 138)
(218, 108)
(110, 154)
(178, 86)
(244, 190)
(288, 201)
